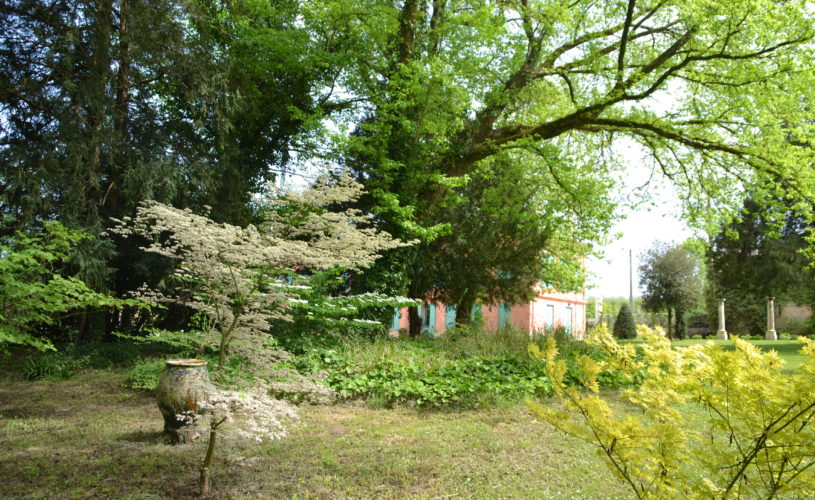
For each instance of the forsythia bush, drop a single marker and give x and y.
(706, 422)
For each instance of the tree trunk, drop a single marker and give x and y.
(464, 311)
(678, 324)
(121, 116)
(670, 314)
(415, 322)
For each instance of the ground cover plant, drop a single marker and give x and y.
(465, 368)
(748, 431)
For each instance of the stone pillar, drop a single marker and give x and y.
(598, 310)
(722, 333)
(771, 334)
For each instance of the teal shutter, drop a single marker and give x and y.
(429, 319)
(569, 319)
(396, 314)
(475, 312)
(450, 317)
(503, 315)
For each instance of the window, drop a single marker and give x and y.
(550, 317)
(450, 317)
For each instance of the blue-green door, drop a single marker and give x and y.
(429, 319)
(395, 325)
(503, 315)
(450, 317)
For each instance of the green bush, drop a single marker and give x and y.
(62, 364)
(33, 295)
(624, 327)
(50, 366)
(468, 369)
(145, 374)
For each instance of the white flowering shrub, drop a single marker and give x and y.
(238, 279)
(255, 416)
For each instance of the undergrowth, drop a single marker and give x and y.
(465, 368)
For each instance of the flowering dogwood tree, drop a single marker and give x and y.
(235, 277)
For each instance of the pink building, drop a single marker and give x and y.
(547, 311)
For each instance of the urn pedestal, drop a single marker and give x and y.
(181, 396)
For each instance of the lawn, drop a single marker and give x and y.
(787, 349)
(89, 437)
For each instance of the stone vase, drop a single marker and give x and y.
(181, 395)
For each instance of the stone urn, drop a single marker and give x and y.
(182, 398)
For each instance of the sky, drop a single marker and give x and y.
(657, 220)
(609, 277)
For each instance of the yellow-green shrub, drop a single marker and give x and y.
(705, 423)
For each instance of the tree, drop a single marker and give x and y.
(756, 256)
(708, 422)
(110, 103)
(34, 297)
(234, 277)
(448, 85)
(624, 327)
(669, 278)
(509, 230)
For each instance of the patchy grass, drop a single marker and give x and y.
(89, 437)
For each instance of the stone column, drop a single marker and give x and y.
(771, 334)
(722, 333)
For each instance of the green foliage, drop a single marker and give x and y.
(467, 369)
(63, 364)
(624, 327)
(33, 296)
(759, 255)
(535, 94)
(459, 383)
(671, 280)
(51, 366)
(321, 314)
(145, 374)
(752, 435)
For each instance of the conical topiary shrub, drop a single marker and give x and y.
(624, 327)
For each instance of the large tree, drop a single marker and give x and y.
(710, 91)
(670, 281)
(106, 103)
(756, 256)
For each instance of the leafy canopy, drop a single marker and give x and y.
(33, 296)
(710, 92)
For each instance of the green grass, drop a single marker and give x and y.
(788, 350)
(89, 437)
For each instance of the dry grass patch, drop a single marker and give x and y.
(90, 438)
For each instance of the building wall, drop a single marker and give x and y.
(531, 316)
(792, 316)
